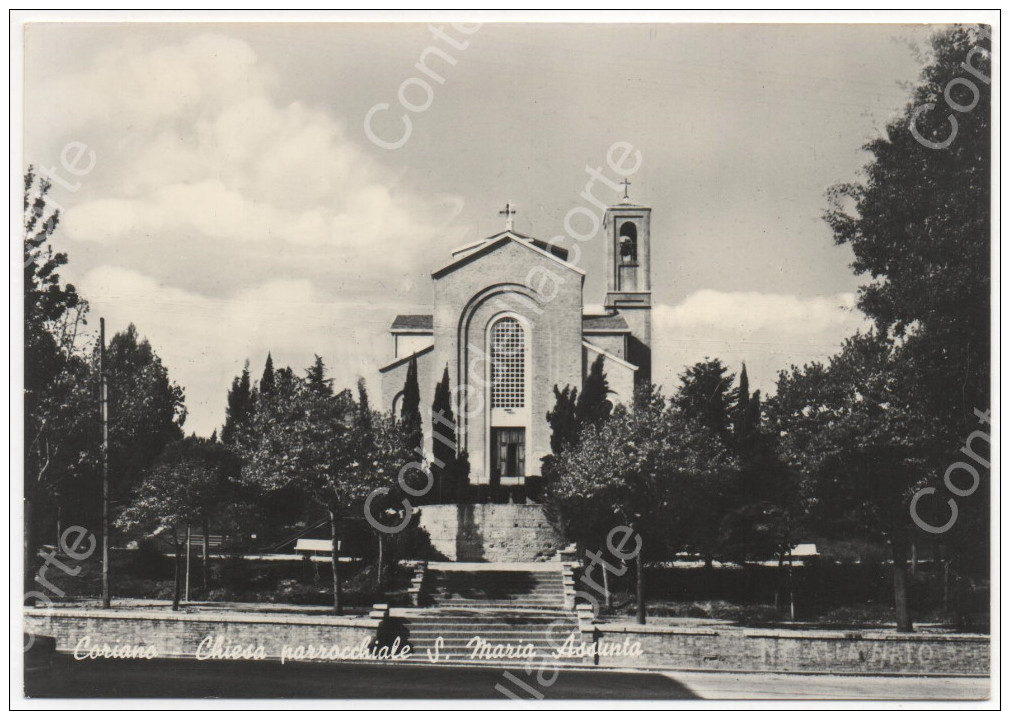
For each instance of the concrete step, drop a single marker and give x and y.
(495, 592)
(550, 599)
(530, 635)
(487, 587)
(500, 604)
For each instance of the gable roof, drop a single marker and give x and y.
(606, 354)
(400, 361)
(594, 323)
(494, 242)
(559, 252)
(412, 322)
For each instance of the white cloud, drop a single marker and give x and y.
(132, 86)
(768, 332)
(226, 224)
(204, 341)
(192, 146)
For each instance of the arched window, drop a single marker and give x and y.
(508, 364)
(628, 238)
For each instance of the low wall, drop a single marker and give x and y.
(156, 633)
(134, 633)
(495, 533)
(843, 652)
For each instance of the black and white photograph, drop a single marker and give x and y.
(504, 357)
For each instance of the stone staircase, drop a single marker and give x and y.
(488, 613)
(490, 586)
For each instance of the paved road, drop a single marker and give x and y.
(167, 678)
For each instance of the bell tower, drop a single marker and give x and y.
(629, 284)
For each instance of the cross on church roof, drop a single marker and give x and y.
(625, 183)
(508, 212)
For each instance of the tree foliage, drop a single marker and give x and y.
(862, 441)
(641, 468)
(634, 471)
(320, 442)
(563, 419)
(593, 406)
(60, 411)
(146, 409)
(410, 408)
(266, 385)
(705, 394)
(919, 226)
(191, 483)
(241, 405)
(445, 465)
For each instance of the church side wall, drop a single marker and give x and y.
(392, 382)
(610, 342)
(620, 379)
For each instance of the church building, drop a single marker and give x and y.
(509, 322)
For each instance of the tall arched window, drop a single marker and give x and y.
(508, 364)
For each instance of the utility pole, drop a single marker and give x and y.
(189, 538)
(104, 396)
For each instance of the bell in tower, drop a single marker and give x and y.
(629, 288)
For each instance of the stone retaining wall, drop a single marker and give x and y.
(851, 652)
(496, 533)
(183, 634)
(715, 648)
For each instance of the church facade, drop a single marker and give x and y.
(508, 322)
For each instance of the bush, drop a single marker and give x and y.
(149, 562)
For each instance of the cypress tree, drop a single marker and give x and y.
(316, 377)
(410, 409)
(593, 407)
(240, 405)
(267, 381)
(443, 438)
(564, 425)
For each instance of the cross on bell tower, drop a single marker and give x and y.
(626, 183)
(508, 212)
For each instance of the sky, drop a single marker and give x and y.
(228, 200)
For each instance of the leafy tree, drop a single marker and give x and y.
(60, 403)
(763, 515)
(639, 469)
(573, 412)
(384, 444)
(241, 403)
(593, 407)
(188, 486)
(319, 442)
(862, 441)
(146, 409)
(705, 395)
(919, 225)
